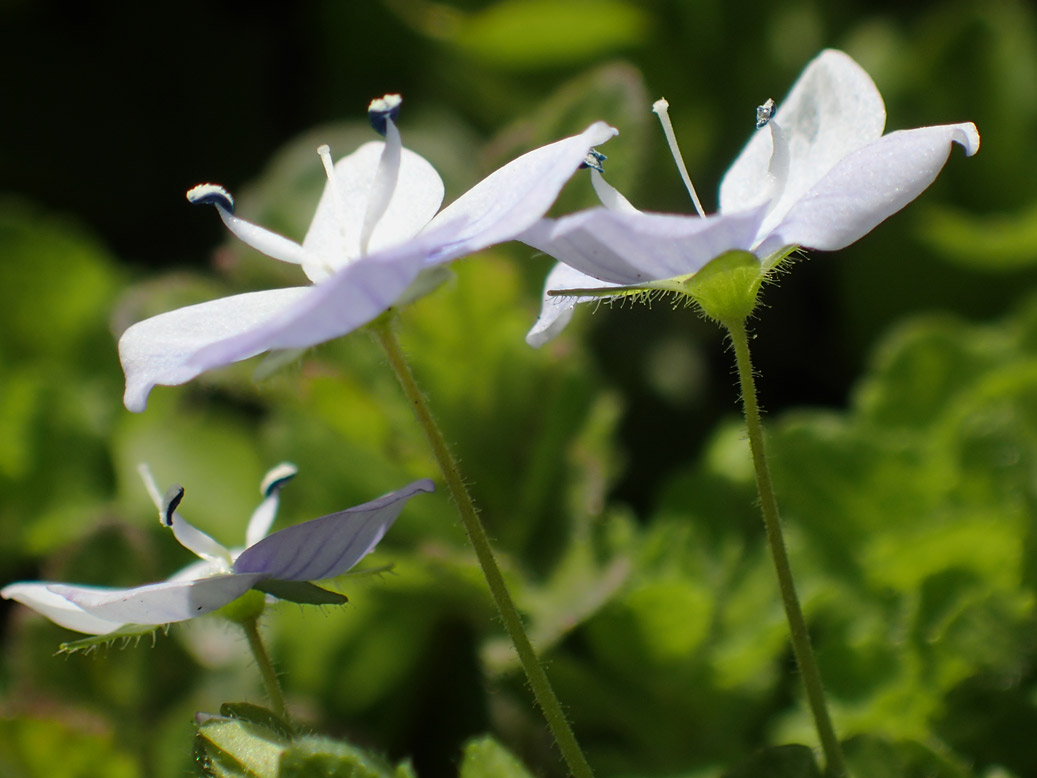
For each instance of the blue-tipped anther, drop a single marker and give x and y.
(170, 500)
(387, 107)
(593, 160)
(278, 477)
(211, 194)
(764, 113)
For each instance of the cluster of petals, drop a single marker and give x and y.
(375, 231)
(817, 174)
(311, 551)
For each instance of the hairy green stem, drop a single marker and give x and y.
(266, 667)
(801, 646)
(538, 680)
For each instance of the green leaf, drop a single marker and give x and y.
(229, 747)
(324, 758)
(536, 34)
(484, 757)
(257, 714)
(791, 761)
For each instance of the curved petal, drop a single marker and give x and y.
(352, 297)
(159, 350)
(868, 186)
(334, 234)
(328, 546)
(39, 597)
(557, 310)
(511, 198)
(161, 603)
(831, 110)
(635, 248)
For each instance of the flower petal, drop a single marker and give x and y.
(335, 232)
(511, 198)
(161, 603)
(632, 248)
(39, 597)
(831, 110)
(352, 297)
(868, 186)
(557, 310)
(328, 546)
(160, 350)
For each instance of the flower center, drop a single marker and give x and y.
(382, 114)
(661, 109)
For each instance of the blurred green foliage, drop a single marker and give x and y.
(610, 466)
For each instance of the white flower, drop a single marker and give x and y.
(818, 173)
(281, 564)
(374, 231)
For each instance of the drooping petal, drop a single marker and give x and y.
(635, 248)
(556, 311)
(161, 603)
(328, 546)
(39, 597)
(350, 298)
(831, 110)
(869, 185)
(159, 350)
(335, 232)
(512, 198)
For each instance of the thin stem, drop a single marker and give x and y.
(542, 690)
(801, 646)
(266, 667)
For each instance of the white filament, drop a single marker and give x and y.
(660, 108)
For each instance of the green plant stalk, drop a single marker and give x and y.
(538, 680)
(801, 646)
(266, 667)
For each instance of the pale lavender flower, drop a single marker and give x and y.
(375, 230)
(818, 173)
(281, 564)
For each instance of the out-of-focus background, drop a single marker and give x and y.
(898, 376)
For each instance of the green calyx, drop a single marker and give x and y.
(247, 607)
(727, 288)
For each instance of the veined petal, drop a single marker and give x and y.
(868, 186)
(557, 310)
(350, 298)
(334, 234)
(159, 350)
(161, 603)
(513, 197)
(39, 597)
(831, 110)
(630, 248)
(328, 546)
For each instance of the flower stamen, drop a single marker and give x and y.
(170, 501)
(778, 168)
(382, 114)
(660, 108)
